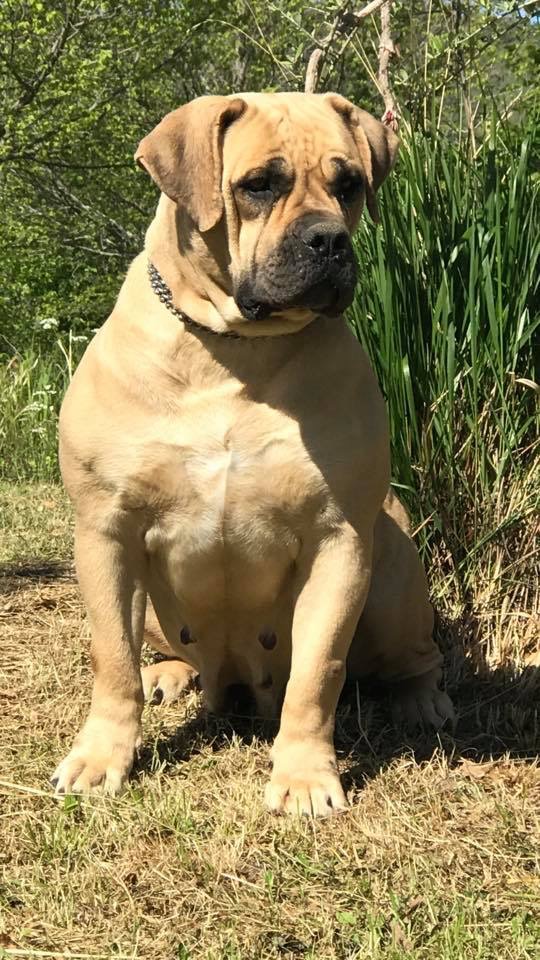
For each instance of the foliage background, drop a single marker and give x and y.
(81, 81)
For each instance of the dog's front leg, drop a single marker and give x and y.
(333, 585)
(111, 578)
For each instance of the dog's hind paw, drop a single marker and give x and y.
(419, 702)
(167, 680)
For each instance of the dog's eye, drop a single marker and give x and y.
(348, 189)
(258, 186)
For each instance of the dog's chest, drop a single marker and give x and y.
(232, 490)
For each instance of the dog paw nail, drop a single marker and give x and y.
(53, 781)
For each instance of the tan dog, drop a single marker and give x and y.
(238, 481)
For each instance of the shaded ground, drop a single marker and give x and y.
(439, 856)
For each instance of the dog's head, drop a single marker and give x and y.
(278, 181)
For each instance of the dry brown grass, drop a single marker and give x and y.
(439, 856)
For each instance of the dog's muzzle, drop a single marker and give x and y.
(313, 267)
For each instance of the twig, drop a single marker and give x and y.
(387, 50)
(344, 19)
(350, 20)
(21, 788)
(366, 11)
(312, 72)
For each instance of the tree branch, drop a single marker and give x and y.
(387, 50)
(318, 55)
(347, 20)
(33, 88)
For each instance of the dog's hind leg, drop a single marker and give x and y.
(393, 639)
(166, 680)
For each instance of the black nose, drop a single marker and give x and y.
(327, 239)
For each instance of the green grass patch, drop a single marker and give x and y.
(32, 384)
(35, 524)
(448, 309)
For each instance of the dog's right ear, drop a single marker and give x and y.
(183, 155)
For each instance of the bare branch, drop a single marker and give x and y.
(352, 18)
(387, 50)
(51, 162)
(345, 21)
(312, 72)
(318, 56)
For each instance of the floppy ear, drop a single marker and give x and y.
(183, 155)
(376, 143)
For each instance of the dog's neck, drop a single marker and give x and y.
(195, 268)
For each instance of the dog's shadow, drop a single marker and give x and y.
(497, 710)
(497, 713)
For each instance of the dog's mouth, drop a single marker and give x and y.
(313, 270)
(322, 298)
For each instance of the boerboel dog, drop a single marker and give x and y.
(225, 445)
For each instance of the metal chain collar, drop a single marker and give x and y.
(163, 293)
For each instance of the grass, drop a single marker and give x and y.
(448, 308)
(438, 857)
(34, 525)
(32, 384)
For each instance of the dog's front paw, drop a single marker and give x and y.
(101, 757)
(419, 702)
(305, 781)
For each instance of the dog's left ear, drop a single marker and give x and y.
(183, 155)
(376, 143)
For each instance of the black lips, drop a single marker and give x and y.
(313, 267)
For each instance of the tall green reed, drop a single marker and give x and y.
(448, 308)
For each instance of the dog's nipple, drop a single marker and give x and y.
(268, 640)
